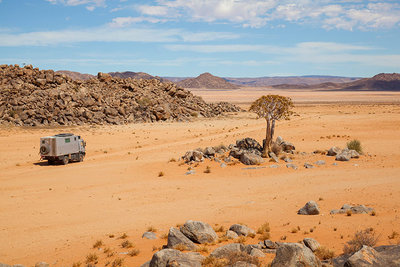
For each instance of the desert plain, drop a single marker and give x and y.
(56, 213)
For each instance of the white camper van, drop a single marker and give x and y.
(63, 148)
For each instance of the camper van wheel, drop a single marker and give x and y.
(65, 160)
(80, 157)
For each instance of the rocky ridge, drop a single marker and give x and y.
(33, 97)
(207, 80)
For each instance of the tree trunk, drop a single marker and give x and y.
(272, 131)
(267, 144)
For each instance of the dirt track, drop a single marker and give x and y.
(56, 213)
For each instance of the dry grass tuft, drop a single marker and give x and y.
(202, 249)
(181, 247)
(355, 145)
(393, 235)
(127, 244)
(134, 252)
(98, 244)
(223, 238)
(219, 229)
(172, 160)
(207, 170)
(242, 256)
(264, 236)
(211, 261)
(160, 174)
(324, 253)
(151, 228)
(294, 230)
(264, 228)
(92, 258)
(366, 237)
(164, 236)
(373, 213)
(117, 262)
(241, 239)
(76, 264)
(123, 236)
(349, 213)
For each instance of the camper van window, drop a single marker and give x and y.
(67, 140)
(43, 142)
(75, 138)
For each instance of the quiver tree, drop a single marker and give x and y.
(272, 108)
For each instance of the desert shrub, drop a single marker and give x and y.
(160, 174)
(117, 262)
(393, 235)
(277, 149)
(264, 236)
(241, 239)
(144, 102)
(203, 249)
(76, 264)
(126, 244)
(92, 258)
(207, 170)
(365, 237)
(251, 235)
(355, 145)
(324, 253)
(98, 244)
(134, 252)
(219, 229)
(123, 236)
(263, 228)
(151, 229)
(181, 247)
(223, 238)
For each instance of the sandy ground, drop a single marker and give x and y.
(56, 213)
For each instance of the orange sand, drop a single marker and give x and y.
(56, 213)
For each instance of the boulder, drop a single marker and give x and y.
(168, 257)
(243, 264)
(209, 151)
(359, 209)
(176, 237)
(255, 252)
(311, 208)
(294, 254)
(231, 234)
(292, 166)
(226, 250)
(287, 146)
(241, 229)
(199, 232)
(273, 157)
(149, 235)
(343, 156)
(248, 144)
(270, 244)
(311, 244)
(365, 257)
(333, 151)
(251, 159)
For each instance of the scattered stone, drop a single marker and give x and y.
(231, 234)
(226, 250)
(228, 159)
(199, 232)
(223, 165)
(217, 160)
(294, 254)
(334, 164)
(176, 237)
(359, 209)
(290, 165)
(311, 244)
(308, 165)
(274, 166)
(311, 208)
(333, 151)
(241, 229)
(251, 159)
(243, 264)
(168, 257)
(248, 144)
(190, 172)
(343, 156)
(255, 252)
(209, 151)
(273, 157)
(288, 160)
(270, 244)
(320, 162)
(149, 235)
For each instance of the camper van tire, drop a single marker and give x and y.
(80, 157)
(65, 160)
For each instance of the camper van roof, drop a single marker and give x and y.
(64, 135)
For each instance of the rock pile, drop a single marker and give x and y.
(359, 209)
(246, 150)
(343, 154)
(32, 97)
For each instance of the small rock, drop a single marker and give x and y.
(270, 244)
(311, 244)
(243, 264)
(273, 157)
(344, 156)
(308, 166)
(290, 165)
(333, 151)
(226, 250)
(320, 162)
(231, 234)
(251, 159)
(274, 166)
(255, 252)
(241, 229)
(288, 160)
(149, 235)
(223, 165)
(311, 208)
(190, 172)
(176, 237)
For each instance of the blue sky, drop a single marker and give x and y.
(230, 38)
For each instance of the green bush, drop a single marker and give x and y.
(355, 145)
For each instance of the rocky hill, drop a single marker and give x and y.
(380, 82)
(76, 75)
(207, 80)
(133, 75)
(32, 97)
(289, 80)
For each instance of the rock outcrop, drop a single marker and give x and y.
(33, 97)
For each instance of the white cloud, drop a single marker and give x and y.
(121, 22)
(108, 34)
(329, 14)
(90, 4)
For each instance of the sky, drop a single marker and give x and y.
(228, 38)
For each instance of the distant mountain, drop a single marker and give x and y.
(207, 80)
(297, 80)
(76, 75)
(380, 82)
